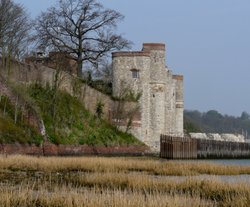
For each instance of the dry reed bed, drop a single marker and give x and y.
(209, 189)
(100, 181)
(105, 164)
(117, 189)
(97, 197)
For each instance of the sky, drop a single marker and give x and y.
(208, 41)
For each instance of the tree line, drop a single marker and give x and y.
(82, 28)
(214, 122)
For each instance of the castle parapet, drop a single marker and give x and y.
(178, 77)
(153, 46)
(131, 54)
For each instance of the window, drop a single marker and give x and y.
(135, 73)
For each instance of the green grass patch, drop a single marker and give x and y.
(11, 132)
(68, 122)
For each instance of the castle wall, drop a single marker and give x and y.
(157, 113)
(56, 60)
(157, 61)
(49, 149)
(179, 105)
(161, 104)
(170, 105)
(32, 73)
(123, 65)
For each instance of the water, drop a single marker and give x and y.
(244, 179)
(230, 178)
(243, 162)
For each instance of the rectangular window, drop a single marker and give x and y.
(135, 74)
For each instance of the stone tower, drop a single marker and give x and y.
(161, 102)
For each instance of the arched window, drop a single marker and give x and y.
(135, 73)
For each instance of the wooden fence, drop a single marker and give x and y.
(222, 149)
(186, 148)
(178, 148)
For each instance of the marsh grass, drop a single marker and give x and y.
(102, 181)
(119, 164)
(97, 197)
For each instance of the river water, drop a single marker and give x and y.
(234, 178)
(243, 162)
(244, 179)
(239, 179)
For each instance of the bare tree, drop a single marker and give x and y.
(104, 71)
(14, 29)
(83, 28)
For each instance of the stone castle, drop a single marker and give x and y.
(161, 104)
(142, 72)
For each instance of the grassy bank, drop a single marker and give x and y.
(98, 181)
(65, 117)
(68, 122)
(15, 130)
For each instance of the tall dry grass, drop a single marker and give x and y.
(101, 181)
(106, 164)
(124, 190)
(97, 197)
(209, 188)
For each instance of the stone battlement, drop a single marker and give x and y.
(178, 77)
(153, 46)
(131, 54)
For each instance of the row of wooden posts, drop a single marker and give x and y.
(187, 148)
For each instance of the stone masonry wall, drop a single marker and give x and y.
(161, 103)
(123, 82)
(70, 150)
(179, 105)
(32, 73)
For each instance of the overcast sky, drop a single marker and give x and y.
(208, 41)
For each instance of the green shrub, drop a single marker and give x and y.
(99, 109)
